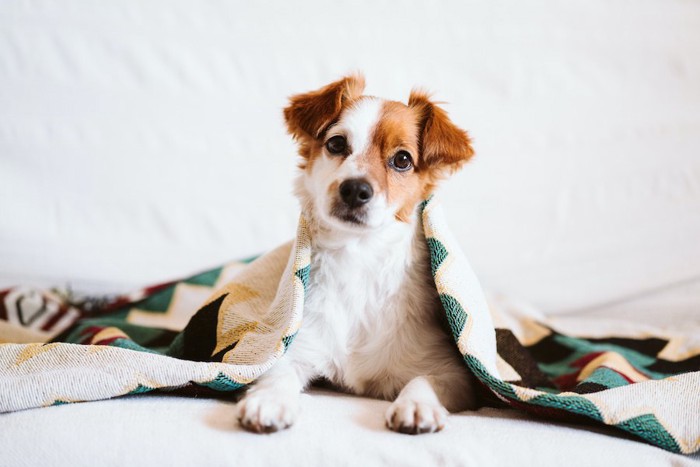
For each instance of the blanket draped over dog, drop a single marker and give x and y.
(55, 351)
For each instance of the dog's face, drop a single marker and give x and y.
(368, 162)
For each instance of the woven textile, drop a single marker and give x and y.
(57, 350)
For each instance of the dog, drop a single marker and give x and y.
(373, 322)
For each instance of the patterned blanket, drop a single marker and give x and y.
(56, 348)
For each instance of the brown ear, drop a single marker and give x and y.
(442, 143)
(309, 114)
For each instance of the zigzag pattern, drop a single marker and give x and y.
(679, 434)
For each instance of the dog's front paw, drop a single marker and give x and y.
(267, 413)
(413, 417)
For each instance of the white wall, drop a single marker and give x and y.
(140, 141)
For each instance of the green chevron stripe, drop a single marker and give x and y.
(222, 383)
(304, 274)
(207, 278)
(648, 428)
(141, 389)
(159, 301)
(438, 253)
(286, 340)
(456, 316)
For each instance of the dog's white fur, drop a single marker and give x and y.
(372, 318)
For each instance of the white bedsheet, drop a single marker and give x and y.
(333, 429)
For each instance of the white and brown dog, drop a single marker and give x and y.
(373, 323)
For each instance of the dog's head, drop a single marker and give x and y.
(368, 162)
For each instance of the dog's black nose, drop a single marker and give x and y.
(356, 192)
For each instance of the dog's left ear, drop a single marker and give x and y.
(309, 114)
(443, 145)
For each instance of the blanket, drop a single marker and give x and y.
(56, 348)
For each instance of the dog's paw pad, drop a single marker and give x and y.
(263, 413)
(413, 417)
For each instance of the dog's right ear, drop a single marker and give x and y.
(309, 115)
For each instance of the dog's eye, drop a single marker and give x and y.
(401, 161)
(336, 145)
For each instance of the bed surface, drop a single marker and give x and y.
(333, 429)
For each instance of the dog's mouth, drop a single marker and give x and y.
(352, 216)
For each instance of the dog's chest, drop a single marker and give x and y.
(364, 307)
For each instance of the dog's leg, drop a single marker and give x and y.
(272, 403)
(420, 406)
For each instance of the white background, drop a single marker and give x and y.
(143, 140)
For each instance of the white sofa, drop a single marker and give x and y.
(143, 141)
